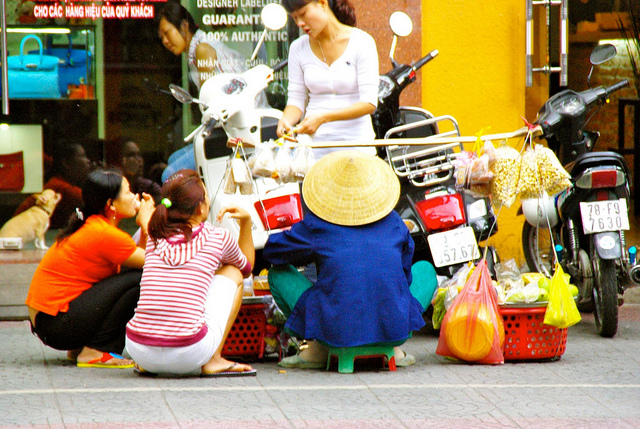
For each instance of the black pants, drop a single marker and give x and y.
(96, 319)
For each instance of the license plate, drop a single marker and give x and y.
(601, 216)
(453, 247)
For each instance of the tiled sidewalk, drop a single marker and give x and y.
(595, 384)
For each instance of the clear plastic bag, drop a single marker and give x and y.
(472, 329)
(283, 164)
(553, 177)
(264, 164)
(505, 168)
(529, 185)
(302, 161)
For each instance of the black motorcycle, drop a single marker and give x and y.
(587, 221)
(445, 223)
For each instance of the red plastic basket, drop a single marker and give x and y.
(246, 338)
(528, 338)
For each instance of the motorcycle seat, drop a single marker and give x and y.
(598, 159)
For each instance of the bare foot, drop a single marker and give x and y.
(89, 355)
(221, 364)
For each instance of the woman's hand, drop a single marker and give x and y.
(310, 124)
(284, 127)
(235, 212)
(147, 207)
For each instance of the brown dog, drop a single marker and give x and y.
(33, 223)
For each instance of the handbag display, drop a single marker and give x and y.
(11, 172)
(33, 75)
(74, 66)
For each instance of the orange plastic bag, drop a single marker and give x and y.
(472, 329)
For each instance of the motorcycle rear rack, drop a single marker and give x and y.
(426, 165)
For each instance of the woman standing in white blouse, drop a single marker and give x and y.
(333, 75)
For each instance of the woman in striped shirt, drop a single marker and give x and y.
(190, 292)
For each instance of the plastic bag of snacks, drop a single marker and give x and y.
(553, 177)
(264, 164)
(302, 161)
(473, 172)
(529, 184)
(283, 164)
(505, 168)
(472, 329)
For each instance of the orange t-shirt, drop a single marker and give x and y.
(92, 253)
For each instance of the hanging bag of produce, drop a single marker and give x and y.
(472, 329)
(562, 310)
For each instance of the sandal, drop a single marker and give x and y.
(101, 362)
(229, 373)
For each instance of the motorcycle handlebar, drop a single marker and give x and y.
(282, 64)
(431, 55)
(616, 87)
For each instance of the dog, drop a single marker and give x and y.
(33, 223)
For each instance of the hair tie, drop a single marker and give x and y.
(166, 202)
(79, 214)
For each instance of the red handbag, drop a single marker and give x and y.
(11, 172)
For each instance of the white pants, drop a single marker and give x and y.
(188, 359)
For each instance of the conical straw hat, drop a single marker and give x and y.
(350, 188)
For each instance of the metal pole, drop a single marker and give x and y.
(564, 43)
(5, 72)
(529, 44)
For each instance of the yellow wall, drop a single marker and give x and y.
(479, 78)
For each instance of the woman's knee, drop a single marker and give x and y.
(231, 272)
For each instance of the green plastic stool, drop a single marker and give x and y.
(347, 355)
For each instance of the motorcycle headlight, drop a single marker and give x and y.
(477, 209)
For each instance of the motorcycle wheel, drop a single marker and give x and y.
(537, 248)
(605, 296)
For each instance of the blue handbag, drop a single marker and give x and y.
(74, 65)
(33, 75)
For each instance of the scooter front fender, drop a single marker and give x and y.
(608, 245)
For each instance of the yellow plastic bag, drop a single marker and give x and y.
(562, 311)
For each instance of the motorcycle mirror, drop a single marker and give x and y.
(182, 95)
(402, 26)
(274, 17)
(601, 54)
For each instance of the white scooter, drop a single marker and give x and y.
(226, 100)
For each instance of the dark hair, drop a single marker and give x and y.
(63, 150)
(185, 191)
(342, 9)
(176, 14)
(100, 187)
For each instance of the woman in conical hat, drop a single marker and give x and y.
(367, 291)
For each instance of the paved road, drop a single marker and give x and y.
(595, 384)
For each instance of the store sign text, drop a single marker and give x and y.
(94, 11)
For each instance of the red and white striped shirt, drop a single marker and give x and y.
(175, 283)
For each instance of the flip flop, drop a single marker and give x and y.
(228, 373)
(101, 362)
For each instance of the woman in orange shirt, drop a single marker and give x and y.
(79, 300)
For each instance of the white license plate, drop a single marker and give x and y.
(453, 247)
(600, 216)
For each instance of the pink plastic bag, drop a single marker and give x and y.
(472, 329)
